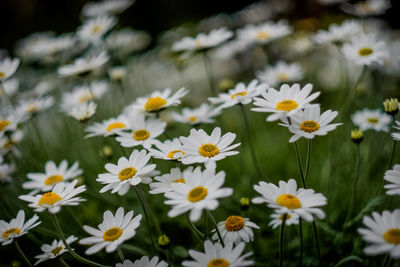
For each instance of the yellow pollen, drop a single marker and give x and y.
(283, 77)
(49, 199)
(155, 103)
(287, 105)
(365, 51)
(392, 236)
(208, 150)
(53, 179)
(192, 119)
(112, 234)
(115, 125)
(127, 173)
(197, 42)
(373, 120)
(262, 36)
(3, 124)
(234, 223)
(2, 74)
(31, 108)
(198, 193)
(240, 93)
(56, 251)
(309, 126)
(172, 153)
(86, 97)
(10, 232)
(182, 180)
(141, 135)
(96, 29)
(289, 201)
(219, 262)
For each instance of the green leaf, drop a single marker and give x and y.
(349, 258)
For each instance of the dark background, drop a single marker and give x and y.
(20, 18)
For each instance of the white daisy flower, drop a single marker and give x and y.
(200, 191)
(8, 67)
(396, 136)
(9, 143)
(337, 34)
(202, 148)
(83, 66)
(9, 122)
(112, 232)
(83, 112)
(6, 170)
(83, 94)
(281, 73)
(236, 229)
(55, 249)
(127, 173)
(107, 127)
(241, 94)
(46, 181)
(127, 41)
(393, 177)
(310, 122)
(30, 107)
(144, 131)
(288, 199)
(162, 184)
(368, 119)
(168, 150)
(264, 33)
(62, 195)
(285, 102)
(202, 114)
(203, 41)
(231, 48)
(216, 255)
(143, 262)
(117, 73)
(106, 7)
(366, 50)
(9, 87)
(383, 233)
(158, 100)
(367, 8)
(277, 218)
(93, 30)
(16, 227)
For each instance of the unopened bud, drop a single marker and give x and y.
(357, 136)
(391, 106)
(163, 241)
(244, 203)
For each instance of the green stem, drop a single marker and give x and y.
(216, 228)
(314, 225)
(301, 241)
(296, 148)
(281, 240)
(309, 143)
(22, 254)
(62, 262)
(393, 153)
(208, 67)
(194, 229)
(73, 253)
(205, 227)
(356, 175)
(120, 254)
(386, 261)
(350, 98)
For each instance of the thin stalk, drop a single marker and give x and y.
(314, 225)
(205, 227)
(281, 240)
(350, 98)
(22, 254)
(356, 175)
(62, 262)
(120, 254)
(300, 165)
(386, 261)
(393, 153)
(73, 253)
(216, 228)
(194, 229)
(209, 72)
(309, 143)
(301, 241)
(248, 133)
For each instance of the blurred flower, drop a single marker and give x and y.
(162, 184)
(16, 227)
(282, 72)
(143, 262)
(107, 127)
(202, 114)
(9, 143)
(8, 67)
(216, 255)
(264, 33)
(244, 203)
(83, 94)
(230, 49)
(10, 121)
(357, 136)
(55, 249)
(168, 150)
(365, 50)
(117, 73)
(391, 106)
(84, 66)
(5, 171)
(367, 119)
(106, 7)
(112, 232)
(383, 233)
(9, 87)
(63, 194)
(396, 136)
(83, 112)
(33, 106)
(277, 218)
(393, 177)
(199, 191)
(236, 229)
(127, 173)
(288, 199)
(127, 41)
(93, 30)
(337, 34)
(367, 8)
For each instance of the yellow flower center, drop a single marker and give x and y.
(181, 180)
(234, 223)
(2, 74)
(197, 42)
(373, 120)
(49, 199)
(53, 179)
(115, 125)
(10, 232)
(127, 173)
(219, 262)
(155, 103)
(283, 77)
(141, 135)
(366, 51)
(86, 97)
(262, 35)
(392, 236)
(31, 108)
(309, 126)
(3, 124)
(287, 105)
(208, 150)
(112, 234)
(289, 201)
(192, 119)
(172, 153)
(96, 29)
(198, 193)
(240, 93)
(56, 251)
